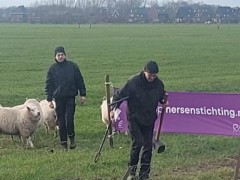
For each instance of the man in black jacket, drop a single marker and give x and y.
(63, 83)
(145, 90)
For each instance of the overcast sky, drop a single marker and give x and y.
(232, 3)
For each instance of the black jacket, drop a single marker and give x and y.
(143, 99)
(64, 80)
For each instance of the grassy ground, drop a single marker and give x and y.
(196, 58)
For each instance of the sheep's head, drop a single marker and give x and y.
(34, 113)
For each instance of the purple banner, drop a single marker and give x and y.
(196, 113)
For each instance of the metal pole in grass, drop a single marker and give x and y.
(107, 91)
(108, 131)
(157, 144)
(237, 167)
(125, 176)
(101, 145)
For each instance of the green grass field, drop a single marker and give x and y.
(196, 58)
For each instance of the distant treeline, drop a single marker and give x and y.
(121, 11)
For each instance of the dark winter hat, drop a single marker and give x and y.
(151, 67)
(60, 49)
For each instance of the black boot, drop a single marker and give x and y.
(144, 176)
(64, 146)
(72, 144)
(132, 173)
(144, 171)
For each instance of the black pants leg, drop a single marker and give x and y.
(60, 110)
(65, 112)
(137, 142)
(146, 150)
(70, 111)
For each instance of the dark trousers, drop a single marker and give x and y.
(65, 109)
(141, 140)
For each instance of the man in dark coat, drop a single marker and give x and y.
(63, 83)
(144, 91)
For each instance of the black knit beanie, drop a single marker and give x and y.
(60, 49)
(151, 67)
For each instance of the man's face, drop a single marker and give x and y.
(149, 76)
(60, 57)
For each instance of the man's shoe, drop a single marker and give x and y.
(64, 147)
(72, 144)
(144, 177)
(131, 177)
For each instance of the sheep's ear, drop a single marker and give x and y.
(26, 98)
(28, 108)
(104, 98)
(38, 99)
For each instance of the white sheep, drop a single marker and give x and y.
(49, 116)
(20, 121)
(104, 111)
(104, 114)
(35, 102)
